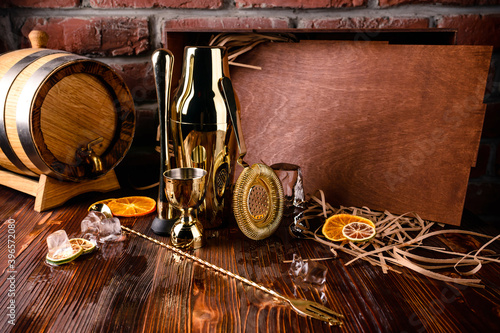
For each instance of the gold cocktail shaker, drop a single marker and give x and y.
(201, 130)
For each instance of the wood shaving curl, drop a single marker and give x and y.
(395, 240)
(240, 43)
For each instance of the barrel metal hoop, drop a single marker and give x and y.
(24, 108)
(5, 84)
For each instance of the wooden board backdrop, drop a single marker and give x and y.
(390, 127)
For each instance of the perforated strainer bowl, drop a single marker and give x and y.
(258, 201)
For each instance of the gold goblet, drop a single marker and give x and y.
(185, 190)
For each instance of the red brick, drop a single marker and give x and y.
(200, 4)
(139, 79)
(483, 198)
(70, 34)
(307, 4)
(474, 29)
(100, 36)
(388, 3)
(482, 162)
(365, 23)
(226, 23)
(41, 3)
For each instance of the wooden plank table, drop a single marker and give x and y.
(138, 286)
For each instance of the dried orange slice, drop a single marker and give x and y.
(358, 231)
(86, 245)
(132, 206)
(332, 229)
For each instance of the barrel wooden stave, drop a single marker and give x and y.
(12, 103)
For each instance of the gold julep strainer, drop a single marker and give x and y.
(258, 194)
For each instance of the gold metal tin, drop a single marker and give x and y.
(201, 131)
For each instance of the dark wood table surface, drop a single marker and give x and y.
(138, 286)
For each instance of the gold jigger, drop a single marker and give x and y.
(185, 190)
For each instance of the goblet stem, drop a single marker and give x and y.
(187, 217)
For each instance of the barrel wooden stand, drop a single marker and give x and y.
(50, 193)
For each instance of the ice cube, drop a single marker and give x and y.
(89, 227)
(297, 266)
(91, 237)
(95, 216)
(91, 222)
(309, 272)
(59, 245)
(110, 229)
(316, 274)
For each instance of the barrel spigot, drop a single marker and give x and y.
(90, 158)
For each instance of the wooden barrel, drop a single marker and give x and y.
(62, 115)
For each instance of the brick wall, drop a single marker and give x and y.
(124, 33)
